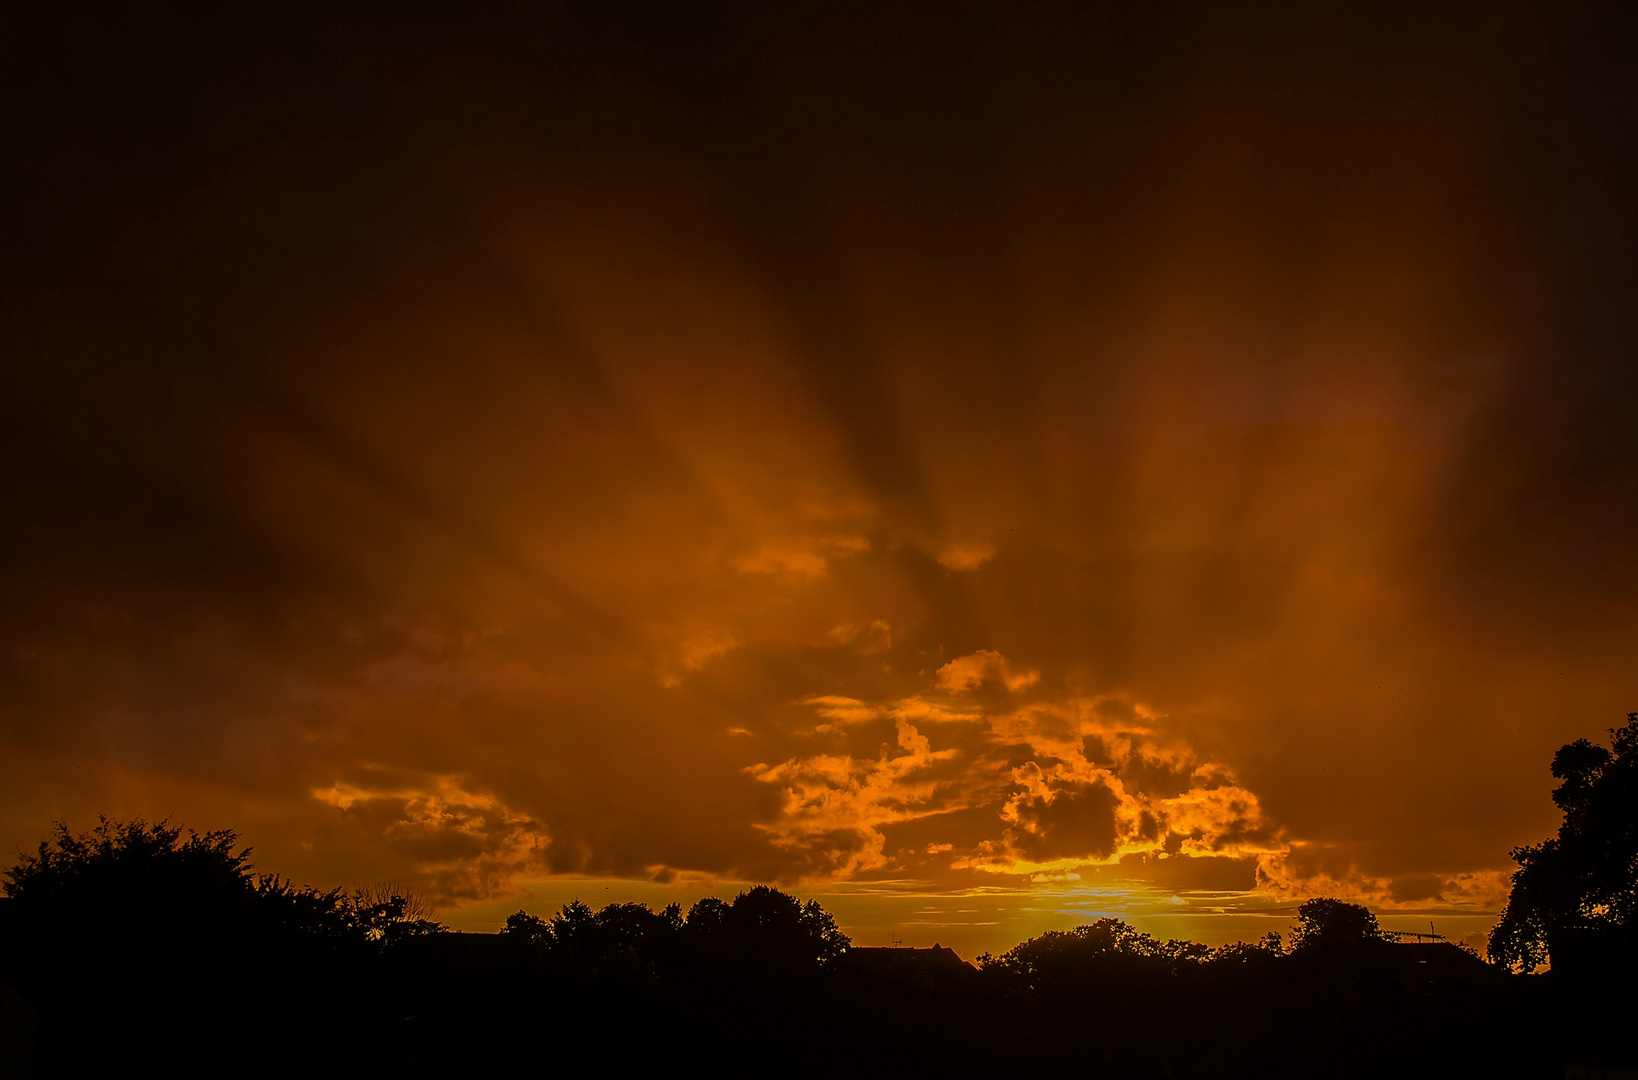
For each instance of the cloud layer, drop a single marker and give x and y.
(959, 459)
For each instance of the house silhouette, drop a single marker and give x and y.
(932, 969)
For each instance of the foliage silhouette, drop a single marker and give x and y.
(1265, 949)
(1106, 950)
(1574, 900)
(1324, 924)
(127, 929)
(105, 886)
(153, 952)
(763, 931)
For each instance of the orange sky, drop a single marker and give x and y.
(983, 471)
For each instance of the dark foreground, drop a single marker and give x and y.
(450, 1004)
(132, 951)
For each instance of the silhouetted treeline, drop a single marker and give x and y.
(763, 933)
(133, 951)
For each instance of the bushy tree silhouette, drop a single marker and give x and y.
(1267, 948)
(145, 946)
(150, 868)
(1106, 950)
(762, 929)
(1574, 900)
(1324, 924)
(773, 929)
(708, 918)
(134, 885)
(621, 940)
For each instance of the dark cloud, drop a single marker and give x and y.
(1076, 821)
(1189, 874)
(1415, 887)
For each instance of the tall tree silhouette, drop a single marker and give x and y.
(1574, 901)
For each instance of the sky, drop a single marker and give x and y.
(983, 466)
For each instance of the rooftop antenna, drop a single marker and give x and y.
(897, 944)
(1412, 935)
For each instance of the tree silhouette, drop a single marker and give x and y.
(127, 889)
(824, 937)
(1575, 897)
(149, 951)
(1324, 924)
(774, 929)
(141, 862)
(1267, 948)
(131, 926)
(389, 912)
(140, 901)
(708, 917)
(762, 929)
(1103, 950)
